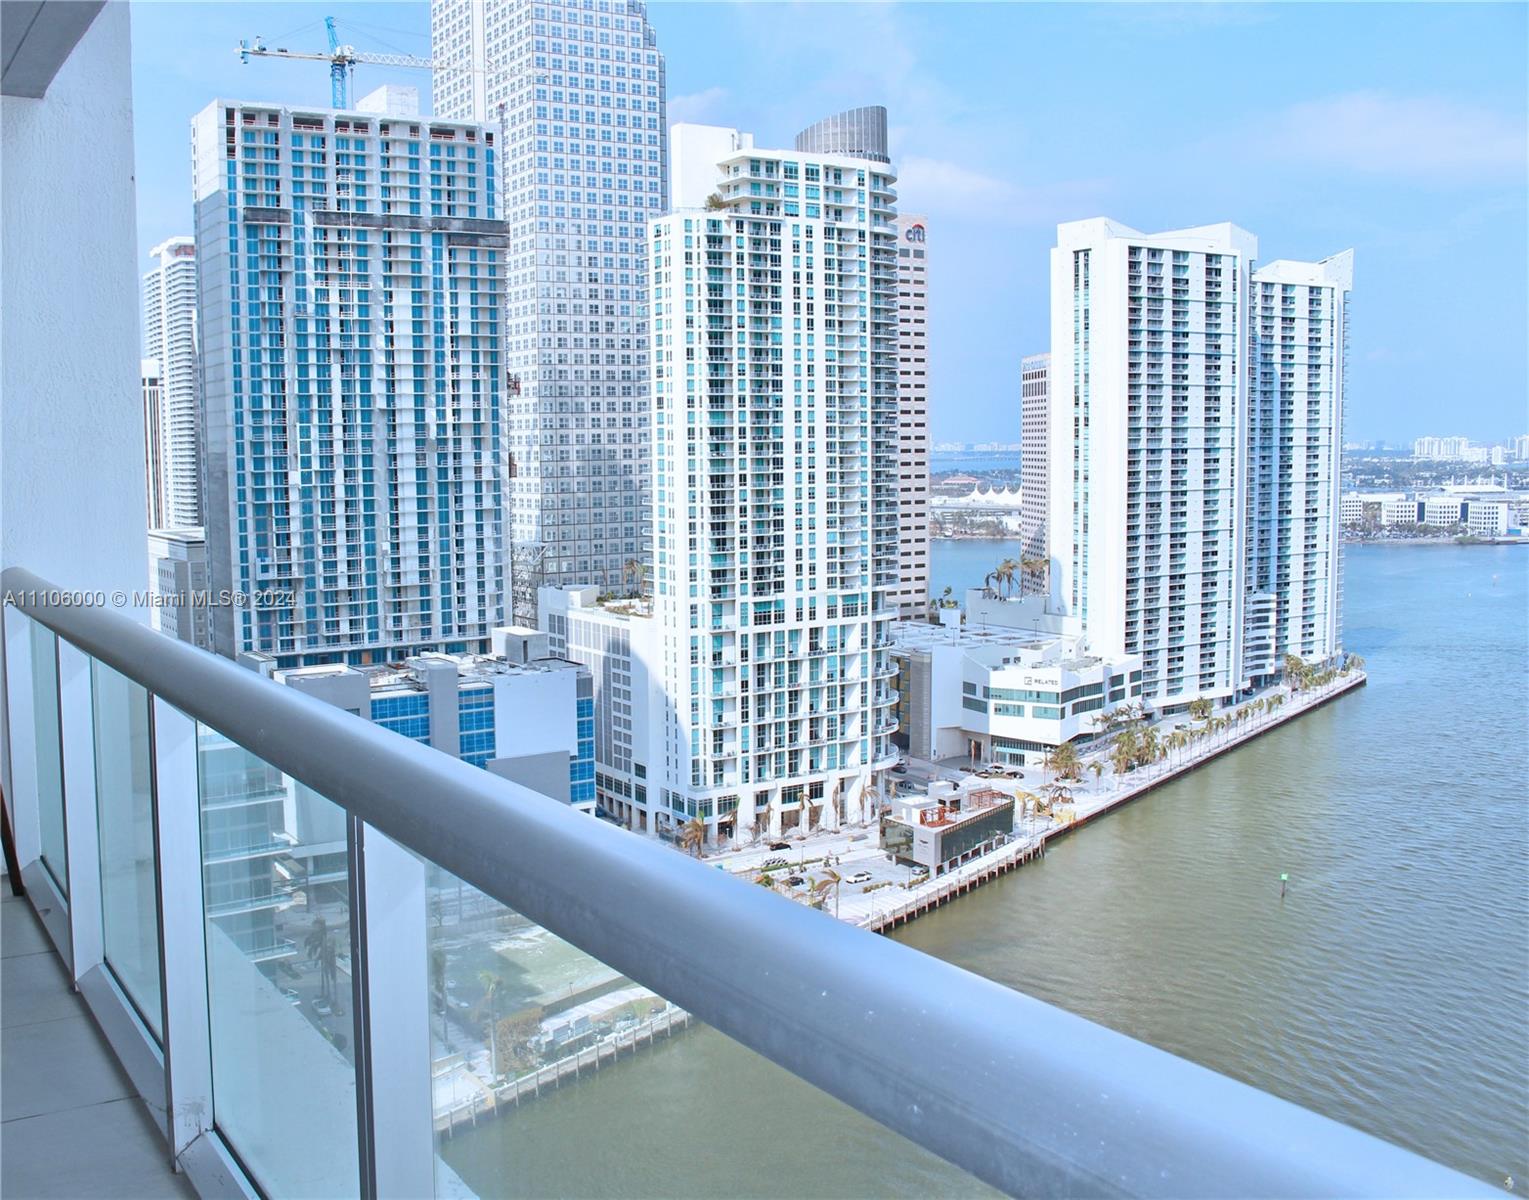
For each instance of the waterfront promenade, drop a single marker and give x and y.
(894, 897)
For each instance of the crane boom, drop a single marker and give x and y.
(342, 59)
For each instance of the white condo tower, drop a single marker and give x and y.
(774, 291)
(1176, 468)
(170, 339)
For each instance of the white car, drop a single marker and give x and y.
(859, 877)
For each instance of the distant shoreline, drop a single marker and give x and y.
(1438, 541)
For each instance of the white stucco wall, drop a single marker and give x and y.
(71, 422)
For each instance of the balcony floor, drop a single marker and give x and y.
(71, 1124)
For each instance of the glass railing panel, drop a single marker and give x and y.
(50, 759)
(554, 1075)
(276, 901)
(125, 822)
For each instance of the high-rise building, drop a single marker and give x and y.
(774, 293)
(912, 594)
(1034, 451)
(352, 292)
(151, 382)
(170, 339)
(178, 582)
(1172, 529)
(577, 91)
(1292, 545)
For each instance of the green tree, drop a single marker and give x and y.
(693, 836)
(1199, 708)
(493, 992)
(1063, 761)
(438, 989)
(1296, 672)
(1123, 751)
(321, 950)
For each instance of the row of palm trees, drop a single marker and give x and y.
(1304, 676)
(1025, 573)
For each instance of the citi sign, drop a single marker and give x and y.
(914, 233)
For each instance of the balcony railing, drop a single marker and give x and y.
(326, 1042)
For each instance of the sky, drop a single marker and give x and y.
(1396, 130)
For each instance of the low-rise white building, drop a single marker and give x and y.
(1487, 518)
(520, 713)
(999, 694)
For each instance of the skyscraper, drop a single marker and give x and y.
(1172, 528)
(1148, 396)
(352, 292)
(774, 292)
(1034, 451)
(577, 89)
(1293, 549)
(170, 338)
(152, 385)
(912, 594)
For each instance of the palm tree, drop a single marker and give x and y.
(1149, 749)
(438, 989)
(1057, 792)
(493, 990)
(1033, 568)
(1124, 751)
(1296, 672)
(693, 836)
(829, 879)
(1063, 761)
(1097, 768)
(1199, 708)
(633, 572)
(1008, 571)
(320, 946)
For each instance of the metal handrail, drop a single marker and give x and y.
(1029, 1098)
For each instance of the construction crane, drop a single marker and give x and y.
(342, 60)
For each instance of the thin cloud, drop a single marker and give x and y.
(1423, 137)
(697, 106)
(938, 186)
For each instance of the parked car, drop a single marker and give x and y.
(780, 845)
(920, 870)
(795, 881)
(322, 1008)
(859, 877)
(900, 769)
(771, 864)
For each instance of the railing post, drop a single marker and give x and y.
(182, 946)
(397, 957)
(76, 721)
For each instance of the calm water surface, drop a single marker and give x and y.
(1389, 989)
